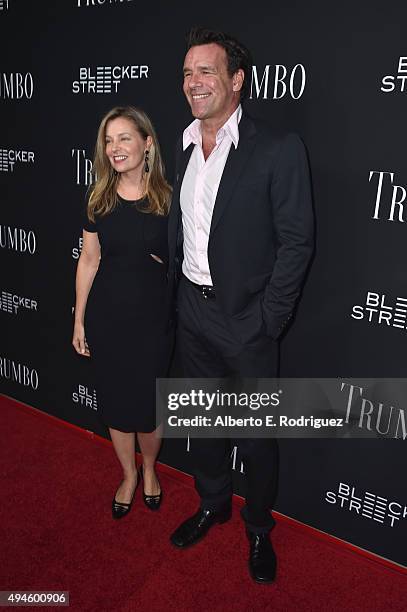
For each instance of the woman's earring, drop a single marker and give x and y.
(146, 166)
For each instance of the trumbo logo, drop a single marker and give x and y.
(83, 167)
(16, 85)
(364, 413)
(236, 463)
(389, 202)
(17, 239)
(278, 81)
(396, 82)
(81, 3)
(376, 310)
(85, 397)
(4, 5)
(9, 302)
(18, 373)
(368, 505)
(9, 157)
(106, 79)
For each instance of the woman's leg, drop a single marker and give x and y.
(150, 444)
(124, 445)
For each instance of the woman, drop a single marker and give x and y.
(121, 284)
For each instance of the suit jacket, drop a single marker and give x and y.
(261, 235)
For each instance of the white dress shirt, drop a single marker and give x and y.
(198, 194)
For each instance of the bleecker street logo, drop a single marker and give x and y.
(11, 303)
(85, 397)
(3, 5)
(106, 79)
(278, 81)
(76, 251)
(9, 157)
(376, 309)
(396, 82)
(368, 505)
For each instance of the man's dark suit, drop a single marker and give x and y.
(260, 245)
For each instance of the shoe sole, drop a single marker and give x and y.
(260, 581)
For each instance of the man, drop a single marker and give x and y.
(241, 226)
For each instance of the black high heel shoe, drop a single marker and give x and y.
(120, 509)
(153, 502)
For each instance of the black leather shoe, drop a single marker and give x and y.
(120, 509)
(153, 502)
(262, 558)
(197, 526)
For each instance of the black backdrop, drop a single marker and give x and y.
(319, 69)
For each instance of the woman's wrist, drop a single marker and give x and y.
(78, 318)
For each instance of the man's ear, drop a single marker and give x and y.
(238, 79)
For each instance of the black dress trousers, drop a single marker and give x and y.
(210, 346)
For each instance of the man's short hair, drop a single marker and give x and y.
(237, 54)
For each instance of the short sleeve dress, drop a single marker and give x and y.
(126, 315)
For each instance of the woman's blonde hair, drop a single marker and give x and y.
(103, 197)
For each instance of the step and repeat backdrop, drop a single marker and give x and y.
(335, 72)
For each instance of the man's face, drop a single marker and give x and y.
(208, 87)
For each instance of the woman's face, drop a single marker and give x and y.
(125, 146)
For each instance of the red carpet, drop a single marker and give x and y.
(57, 533)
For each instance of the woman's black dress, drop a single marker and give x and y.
(125, 318)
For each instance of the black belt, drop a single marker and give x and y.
(206, 290)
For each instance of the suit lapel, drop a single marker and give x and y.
(175, 229)
(181, 167)
(234, 166)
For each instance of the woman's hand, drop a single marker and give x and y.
(79, 340)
